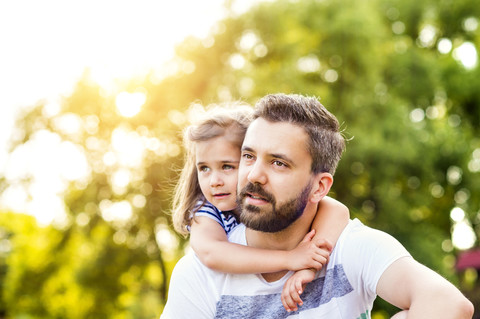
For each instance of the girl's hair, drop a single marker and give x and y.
(231, 121)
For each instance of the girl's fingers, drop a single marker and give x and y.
(309, 236)
(321, 260)
(298, 287)
(286, 299)
(291, 305)
(294, 295)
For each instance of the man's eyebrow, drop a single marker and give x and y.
(282, 157)
(247, 148)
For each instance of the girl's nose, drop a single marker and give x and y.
(216, 180)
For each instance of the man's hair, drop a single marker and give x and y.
(326, 143)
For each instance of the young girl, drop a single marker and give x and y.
(205, 201)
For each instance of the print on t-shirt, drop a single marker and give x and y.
(320, 291)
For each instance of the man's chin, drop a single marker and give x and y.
(251, 209)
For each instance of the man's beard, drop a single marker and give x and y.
(275, 218)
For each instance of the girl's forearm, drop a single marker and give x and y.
(239, 259)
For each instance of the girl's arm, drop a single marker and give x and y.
(331, 218)
(210, 243)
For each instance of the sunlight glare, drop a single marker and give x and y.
(106, 41)
(463, 236)
(308, 64)
(68, 123)
(120, 180)
(166, 240)
(248, 41)
(457, 214)
(128, 147)
(47, 209)
(237, 61)
(73, 163)
(427, 36)
(116, 211)
(130, 104)
(466, 54)
(444, 45)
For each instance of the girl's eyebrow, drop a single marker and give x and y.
(223, 162)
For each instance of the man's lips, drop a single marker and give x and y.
(255, 199)
(255, 196)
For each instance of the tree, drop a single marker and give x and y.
(406, 100)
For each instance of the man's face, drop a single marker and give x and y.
(274, 178)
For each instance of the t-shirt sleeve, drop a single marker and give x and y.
(227, 221)
(208, 210)
(190, 294)
(373, 251)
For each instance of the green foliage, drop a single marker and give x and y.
(409, 111)
(63, 274)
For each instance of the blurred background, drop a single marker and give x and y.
(94, 95)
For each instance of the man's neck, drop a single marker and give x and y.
(286, 239)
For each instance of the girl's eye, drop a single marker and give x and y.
(203, 169)
(228, 167)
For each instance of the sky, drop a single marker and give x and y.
(47, 45)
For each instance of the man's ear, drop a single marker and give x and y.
(321, 186)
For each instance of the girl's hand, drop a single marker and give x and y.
(310, 253)
(294, 287)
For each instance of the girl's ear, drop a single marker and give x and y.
(321, 186)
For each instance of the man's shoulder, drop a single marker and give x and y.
(362, 245)
(193, 291)
(365, 253)
(356, 233)
(365, 246)
(190, 271)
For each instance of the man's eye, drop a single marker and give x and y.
(279, 164)
(247, 156)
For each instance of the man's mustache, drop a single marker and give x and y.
(257, 190)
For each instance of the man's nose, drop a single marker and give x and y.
(216, 180)
(257, 174)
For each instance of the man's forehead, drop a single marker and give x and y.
(275, 135)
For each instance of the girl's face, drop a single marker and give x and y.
(217, 168)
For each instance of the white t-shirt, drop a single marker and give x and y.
(345, 289)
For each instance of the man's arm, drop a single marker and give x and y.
(411, 286)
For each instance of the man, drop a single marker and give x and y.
(289, 155)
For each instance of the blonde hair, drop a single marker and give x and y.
(218, 120)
